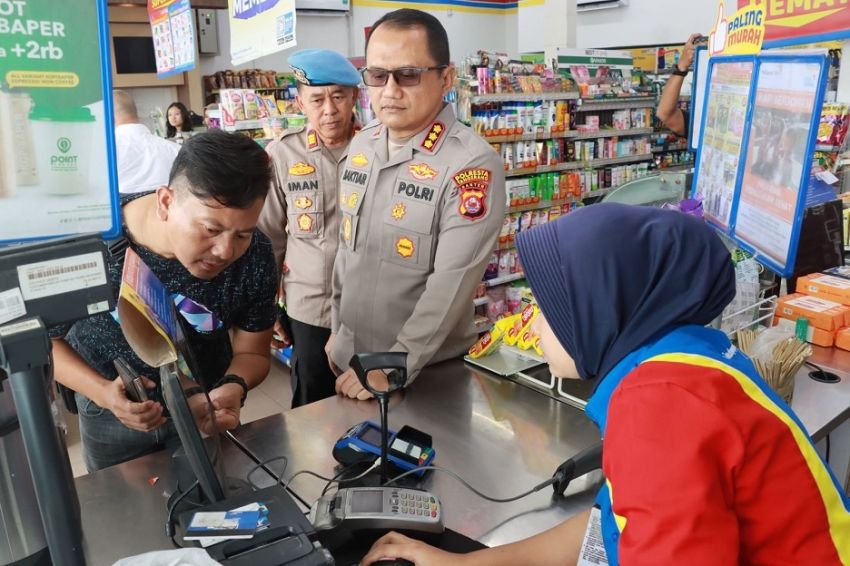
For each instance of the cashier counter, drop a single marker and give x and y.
(504, 437)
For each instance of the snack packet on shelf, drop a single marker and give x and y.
(522, 324)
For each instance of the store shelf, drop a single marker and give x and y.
(480, 301)
(598, 193)
(827, 147)
(613, 133)
(570, 165)
(504, 279)
(679, 167)
(244, 125)
(593, 105)
(521, 97)
(539, 205)
(673, 147)
(616, 160)
(530, 137)
(218, 90)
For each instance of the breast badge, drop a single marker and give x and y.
(300, 169)
(398, 211)
(359, 160)
(303, 203)
(405, 247)
(305, 222)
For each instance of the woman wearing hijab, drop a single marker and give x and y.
(704, 464)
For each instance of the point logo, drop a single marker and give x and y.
(64, 145)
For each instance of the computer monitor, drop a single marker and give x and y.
(185, 412)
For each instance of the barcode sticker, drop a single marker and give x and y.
(48, 278)
(11, 305)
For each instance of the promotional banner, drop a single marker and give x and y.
(260, 27)
(790, 22)
(173, 36)
(56, 148)
(778, 158)
(742, 33)
(722, 137)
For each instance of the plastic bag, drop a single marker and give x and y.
(766, 342)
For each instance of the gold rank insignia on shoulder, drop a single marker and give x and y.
(398, 211)
(352, 200)
(405, 247)
(359, 160)
(300, 169)
(305, 222)
(434, 135)
(312, 139)
(422, 171)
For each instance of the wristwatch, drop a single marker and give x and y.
(233, 378)
(680, 72)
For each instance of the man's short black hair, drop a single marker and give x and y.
(406, 18)
(231, 169)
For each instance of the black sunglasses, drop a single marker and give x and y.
(403, 76)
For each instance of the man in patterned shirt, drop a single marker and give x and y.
(198, 236)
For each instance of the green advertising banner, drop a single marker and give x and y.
(57, 158)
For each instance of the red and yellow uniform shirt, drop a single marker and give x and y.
(706, 465)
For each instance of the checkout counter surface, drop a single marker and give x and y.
(124, 510)
(500, 436)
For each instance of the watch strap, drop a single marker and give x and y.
(680, 72)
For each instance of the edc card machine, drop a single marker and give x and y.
(408, 448)
(378, 508)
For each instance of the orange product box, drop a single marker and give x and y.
(842, 339)
(815, 336)
(822, 313)
(826, 286)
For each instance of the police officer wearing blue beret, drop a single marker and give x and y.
(302, 217)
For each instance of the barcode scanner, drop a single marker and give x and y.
(394, 364)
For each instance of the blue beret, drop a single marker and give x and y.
(322, 67)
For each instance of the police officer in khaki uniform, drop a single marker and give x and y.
(301, 215)
(423, 199)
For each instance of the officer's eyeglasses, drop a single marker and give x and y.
(403, 76)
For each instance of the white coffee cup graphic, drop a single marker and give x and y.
(63, 147)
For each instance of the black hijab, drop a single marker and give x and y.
(609, 277)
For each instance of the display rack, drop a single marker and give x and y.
(522, 97)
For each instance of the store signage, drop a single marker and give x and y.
(259, 28)
(790, 22)
(781, 131)
(173, 34)
(56, 127)
(245, 9)
(754, 158)
(742, 33)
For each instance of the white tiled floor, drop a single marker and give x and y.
(272, 396)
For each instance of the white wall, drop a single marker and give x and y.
(312, 32)
(646, 22)
(467, 32)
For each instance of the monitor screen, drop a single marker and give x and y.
(190, 416)
(134, 55)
